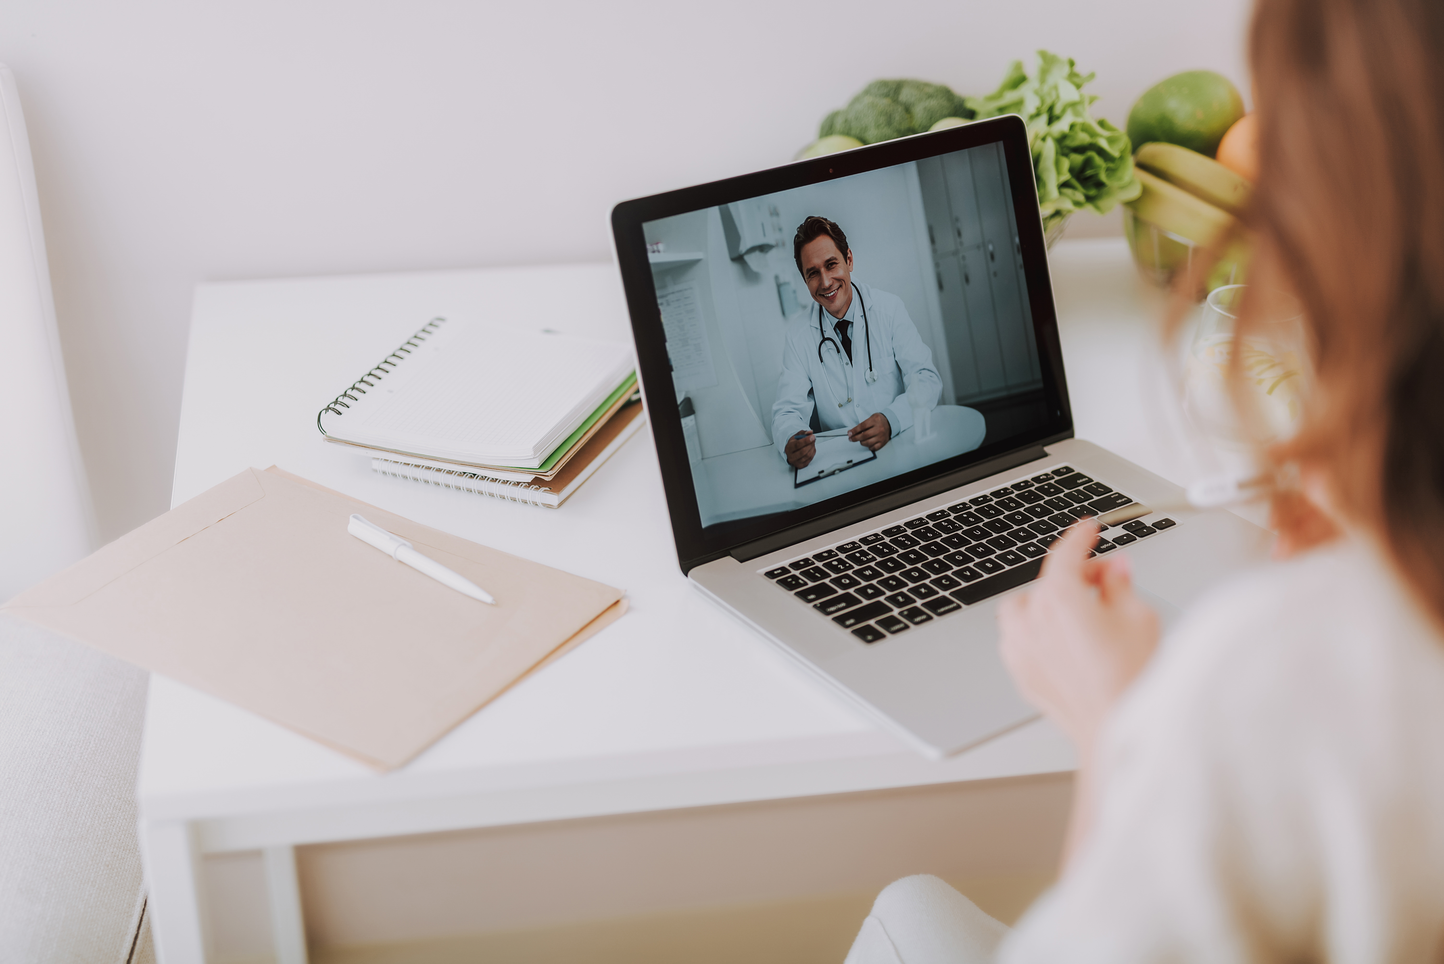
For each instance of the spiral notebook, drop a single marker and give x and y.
(478, 392)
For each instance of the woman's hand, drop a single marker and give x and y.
(1079, 637)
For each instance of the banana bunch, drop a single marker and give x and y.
(1188, 202)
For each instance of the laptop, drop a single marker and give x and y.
(880, 568)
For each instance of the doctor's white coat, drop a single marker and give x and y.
(839, 388)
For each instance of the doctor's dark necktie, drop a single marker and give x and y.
(843, 329)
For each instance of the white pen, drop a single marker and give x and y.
(401, 550)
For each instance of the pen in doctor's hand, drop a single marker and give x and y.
(402, 551)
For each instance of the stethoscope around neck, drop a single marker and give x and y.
(866, 335)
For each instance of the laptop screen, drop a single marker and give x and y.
(826, 341)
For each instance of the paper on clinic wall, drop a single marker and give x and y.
(254, 592)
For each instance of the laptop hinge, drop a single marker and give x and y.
(886, 503)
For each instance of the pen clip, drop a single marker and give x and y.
(373, 535)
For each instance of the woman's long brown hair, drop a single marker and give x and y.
(1348, 214)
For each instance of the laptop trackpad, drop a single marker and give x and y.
(1168, 613)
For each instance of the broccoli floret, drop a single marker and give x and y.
(872, 119)
(894, 108)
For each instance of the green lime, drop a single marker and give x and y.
(1193, 109)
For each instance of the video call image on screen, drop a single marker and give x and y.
(920, 345)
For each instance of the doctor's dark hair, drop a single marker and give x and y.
(812, 228)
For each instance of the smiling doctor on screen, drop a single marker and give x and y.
(857, 360)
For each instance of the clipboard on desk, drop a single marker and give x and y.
(835, 453)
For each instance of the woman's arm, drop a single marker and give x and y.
(1074, 644)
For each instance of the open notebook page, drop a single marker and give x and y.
(477, 391)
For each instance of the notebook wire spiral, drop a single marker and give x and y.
(379, 371)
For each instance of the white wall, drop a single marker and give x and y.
(179, 142)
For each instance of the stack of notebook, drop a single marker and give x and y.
(490, 409)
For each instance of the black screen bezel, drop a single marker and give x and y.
(696, 545)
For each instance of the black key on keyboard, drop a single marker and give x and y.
(868, 573)
(1075, 481)
(1039, 511)
(1001, 542)
(976, 592)
(1097, 489)
(903, 542)
(846, 581)
(893, 583)
(1046, 541)
(882, 549)
(958, 558)
(990, 566)
(892, 624)
(861, 557)
(871, 538)
(777, 573)
(813, 593)
(1030, 496)
(939, 515)
(869, 634)
(1145, 531)
(917, 523)
(945, 582)
(1114, 500)
(1011, 557)
(935, 549)
(791, 582)
(815, 573)
(836, 604)
(916, 614)
(1050, 490)
(998, 526)
(978, 500)
(960, 507)
(1022, 485)
(824, 555)
(894, 530)
(923, 590)
(1009, 504)
(862, 614)
(979, 550)
(1124, 538)
(936, 566)
(914, 557)
(891, 565)
(989, 511)
(1164, 523)
(1044, 477)
(977, 533)
(969, 518)
(1081, 512)
(914, 575)
(1078, 498)
(1000, 492)
(941, 606)
(1103, 545)
(1063, 470)
(1059, 504)
(1032, 550)
(799, 564)
(867, 591)
(838, 565)
(900, 599)
(1062, 520)
(955, 541)
(1018, 518)
(947, 526)
(927, 534)
(968, 574)
(849, 547)
(1042, 528)
(1133, 525)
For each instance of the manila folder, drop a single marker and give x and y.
(255, 592)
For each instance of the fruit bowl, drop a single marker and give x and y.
(1160, 254)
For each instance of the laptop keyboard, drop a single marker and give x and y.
(886, 582)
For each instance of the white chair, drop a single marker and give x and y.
(70, 717)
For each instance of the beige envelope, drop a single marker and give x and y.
(255, 592)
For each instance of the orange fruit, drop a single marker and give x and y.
(1238, 151)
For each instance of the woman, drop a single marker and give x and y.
(1269, 784)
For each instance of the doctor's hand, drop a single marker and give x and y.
(800, 449)
(1079, 638)
(873, 431)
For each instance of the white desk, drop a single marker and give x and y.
(757, 481)
(675, 705)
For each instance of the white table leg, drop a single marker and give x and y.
(172, 871)
(287, 923)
